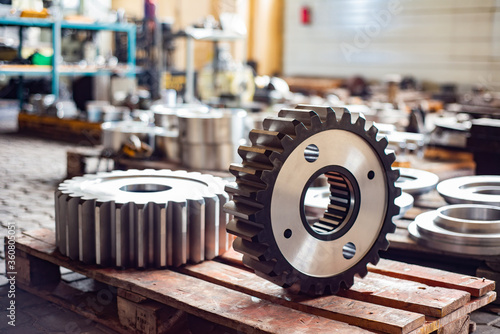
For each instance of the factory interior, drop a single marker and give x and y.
(249, 166)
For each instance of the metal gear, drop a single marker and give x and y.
(140, 219)
(272, 230)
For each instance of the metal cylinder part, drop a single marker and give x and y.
(478, 189)
(166, 116)
(461, 228)
(273, 231)
(210, 140)
(116, 134)
(148, 218)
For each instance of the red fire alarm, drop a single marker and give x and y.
(305, 15)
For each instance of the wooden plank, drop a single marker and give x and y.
(215, 303)
(358, 313)
(434, 277)
(434, 324)
(142, 315)
(406, 295)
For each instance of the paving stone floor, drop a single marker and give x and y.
(30, 169)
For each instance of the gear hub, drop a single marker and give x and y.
(277, 238)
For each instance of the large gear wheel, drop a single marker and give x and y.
(276, 238)
(141, 219)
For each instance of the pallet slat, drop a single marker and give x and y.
(407, 295)
(354, 312)
(393, 298)
(217, 304)
(474, 285)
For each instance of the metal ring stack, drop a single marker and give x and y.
(471, 225)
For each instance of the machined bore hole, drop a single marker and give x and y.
(483, 188)
(480, 213)
(311, 153)
(371, 175)
(349, 250)
(288, 233)
(329, 208)
(145, 188)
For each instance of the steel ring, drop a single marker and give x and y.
(415, 181)
(464, 228)
(478, 189)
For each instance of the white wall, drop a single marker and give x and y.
(434, 40)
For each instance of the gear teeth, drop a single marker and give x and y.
(281, 125)
(254, 250)
(321, 111)
(72, 229)
(271, 139)
(243, 230)
(361, 122)
(372, 132)
(257, 156)
(345, 120)
(383, 143)
(86, 231)
(243, 190)
(265, 267)
(303, 116)
(111, 230)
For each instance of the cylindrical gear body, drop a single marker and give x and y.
(140, 219)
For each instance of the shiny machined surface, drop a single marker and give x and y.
(405, 203)
(274, 232)
(478, 189)
(461, 228)
(210, 140)
(167, 116)
(415, 181)
(149, 218)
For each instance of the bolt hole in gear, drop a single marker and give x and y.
(298, 150)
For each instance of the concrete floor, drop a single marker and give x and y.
(30, 169)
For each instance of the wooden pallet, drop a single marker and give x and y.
(222, 296)
(70, 130)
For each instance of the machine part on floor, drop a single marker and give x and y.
(285, 158)
(405, 203)
(461, 228)
(415, 181)
(210, 140)
(117, 134)
(167, 116)
(141, 219)
(167, 145)
(478, 189)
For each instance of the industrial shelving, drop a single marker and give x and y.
(57, 69)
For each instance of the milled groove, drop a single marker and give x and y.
(155, 233)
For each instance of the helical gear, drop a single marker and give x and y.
(273, 233)
(141, 219)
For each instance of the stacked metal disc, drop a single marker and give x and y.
(471, 225)
(149, 218)
(460, 228)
